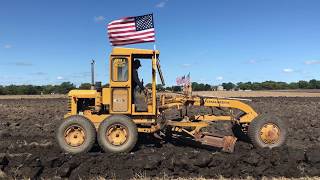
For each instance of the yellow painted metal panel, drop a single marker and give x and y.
(154, 90)
(129, 51)
(106, 96)
(83, 93)
(213, 118)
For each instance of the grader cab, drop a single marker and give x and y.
(110, 115)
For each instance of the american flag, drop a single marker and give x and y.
(183, 80)
(131, 30)
(187, 79)
(180, 80)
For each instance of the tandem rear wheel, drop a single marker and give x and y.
(267, 131)
(76, 134)
(117, 133)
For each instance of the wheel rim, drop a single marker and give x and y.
(75, 135)
(270, 133)
(117, 134)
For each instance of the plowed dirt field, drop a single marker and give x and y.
(28, 148)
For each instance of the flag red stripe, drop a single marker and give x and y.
(122, 32)
(129, 26)
(138, 39)
(112, 35)
(131, 31)
(121, 21)
(147, 37)
(131, 42)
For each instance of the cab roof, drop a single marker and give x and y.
(129, 51)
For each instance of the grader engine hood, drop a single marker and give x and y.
(83, 93)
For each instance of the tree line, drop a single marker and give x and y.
(65, 87)
(266, 85)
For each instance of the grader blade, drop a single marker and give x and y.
(227, 143)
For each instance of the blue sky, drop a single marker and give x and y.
(48, 42)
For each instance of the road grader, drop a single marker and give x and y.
(110, 116)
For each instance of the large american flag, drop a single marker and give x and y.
(131, 30)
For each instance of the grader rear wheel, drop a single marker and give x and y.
(266, 131)
(76, 134)
(117, 134)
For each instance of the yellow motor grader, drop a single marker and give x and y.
(110, 115)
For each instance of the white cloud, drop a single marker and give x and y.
(21, 64)
(60, 78)
(252, 61)
(39, 73)
(162, 4)
(219, 78)
(7, 46)
(287, 70)
(258, 61)
(312, 62)
(80, 75)
(99, 18)
(186, 65)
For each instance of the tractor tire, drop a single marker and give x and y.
(239, 134)
(267, 131)
(117, 134)
(76, 134)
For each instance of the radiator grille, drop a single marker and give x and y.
(69, 103)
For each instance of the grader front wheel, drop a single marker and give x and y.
(266, 131)
(117, 134)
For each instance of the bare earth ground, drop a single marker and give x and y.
(275, 93)
(28, 148)
(292, 93)
(55, 96)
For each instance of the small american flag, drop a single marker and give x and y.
(187, 79)
(180, 80)
(184, 80)
(131, 30)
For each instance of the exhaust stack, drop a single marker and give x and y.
(92, 75)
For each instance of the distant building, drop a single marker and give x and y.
(220, 88)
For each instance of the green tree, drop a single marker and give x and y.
(2, 91)
(106, 85)
(168, 88)
(48, 89)
(65, 87)
(314, 84)
(244, 86)
(29, 89)
(149, 85)
(228, 86)
(11, 90)
(85, 86)
(160, 87)
(207, 87)
(303, 84)
(293, 85)
(176, 88)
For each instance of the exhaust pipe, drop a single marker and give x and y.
(92, 75)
